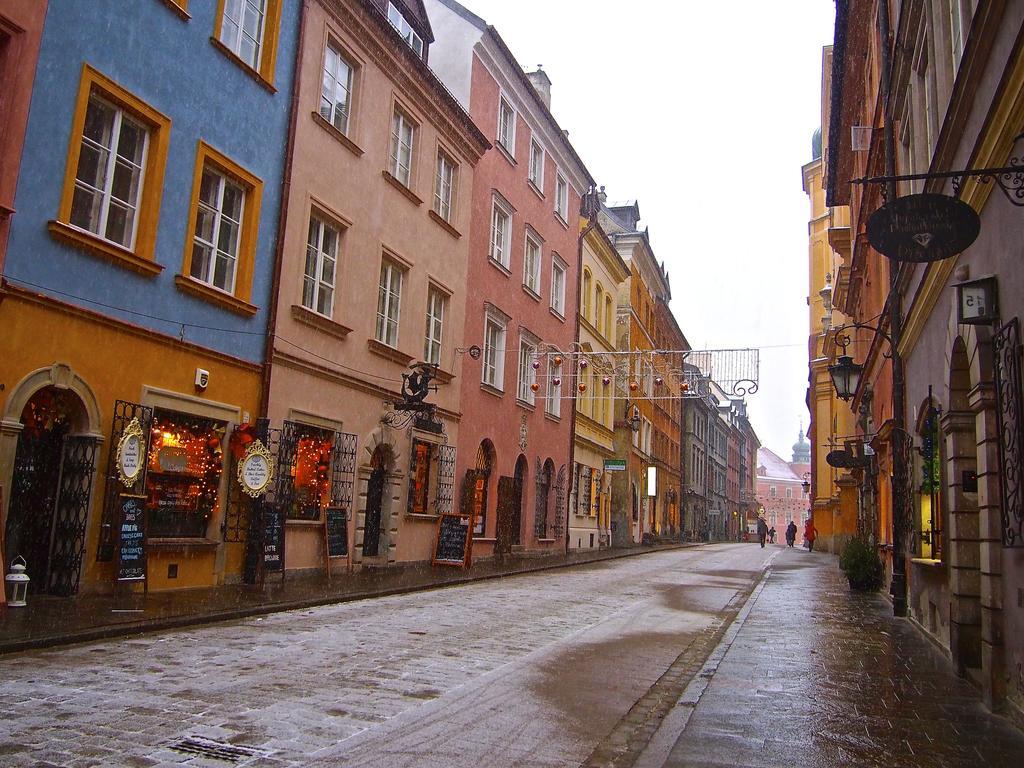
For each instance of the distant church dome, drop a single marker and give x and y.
(816, 144)
(801, 450)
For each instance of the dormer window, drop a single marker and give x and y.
(405, 29)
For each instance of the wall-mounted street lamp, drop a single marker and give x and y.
(845, 375)
(806, 484)
(632, 419)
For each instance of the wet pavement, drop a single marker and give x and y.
(529, 670)
(811, 674)
(685, 657)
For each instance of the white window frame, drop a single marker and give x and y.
(502, 256)
(507, 139)
(535, 172)
(317, 257)
(531, 268)
(561, 196)
(234, 13)
(493, 367)
(399, 22)
(106, 194)
(558, 267)
(445, 179)
(219, 219)
(553, 404)
(402, 125)
(527, 375)
(332, 81)
(437, 301)
(389, 302)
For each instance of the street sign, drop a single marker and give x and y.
(614, 465)
(922, 228)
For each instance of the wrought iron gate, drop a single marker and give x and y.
(124, 412)
(1010, 412)
(34, 488)
(71, 514)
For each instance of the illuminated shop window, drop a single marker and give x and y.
(929, 532)
(185, 463)
(311, 474)
(422, 477)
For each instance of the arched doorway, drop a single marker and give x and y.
(375, 500)
(51, 487)
(964, 555)
(545, 479)
(510, 508)
(477, 484)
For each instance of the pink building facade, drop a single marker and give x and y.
(780, 493)
(517, 391)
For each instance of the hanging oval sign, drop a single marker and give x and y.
(256, 469)
(922, 228)
(130, 451)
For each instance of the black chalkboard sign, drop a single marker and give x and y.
(452, 540)
(337, 532)
(273, 539)
(131, 545)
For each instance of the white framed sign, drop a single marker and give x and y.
(256, 469)
(130, 453)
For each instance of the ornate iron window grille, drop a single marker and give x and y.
(124, 412)
(1010, 420)
(558, 525)
(446, 479)
(72, 514)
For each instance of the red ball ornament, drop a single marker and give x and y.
(213, 441)
(535, 386)
(556, 381)
(633, 386)
(584, 363)
(686, 386)
(536, 364)
(606, 380)
(558, 359)
(659, 381)
(582, 387)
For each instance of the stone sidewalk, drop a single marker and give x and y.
(49, 621)
(814, 675)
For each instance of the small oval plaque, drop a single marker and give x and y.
(922, 228)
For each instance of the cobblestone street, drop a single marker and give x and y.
(529, 670)
(635, 661)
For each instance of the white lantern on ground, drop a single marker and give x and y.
(18, 581)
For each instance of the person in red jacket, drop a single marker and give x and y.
(810, 533)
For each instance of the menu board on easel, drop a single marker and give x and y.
(453, 541)
(131, 545)
(335, 534)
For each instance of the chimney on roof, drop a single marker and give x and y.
(541, 84)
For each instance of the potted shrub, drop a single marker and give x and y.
(861, 564)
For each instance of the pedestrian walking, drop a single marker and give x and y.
(810, 533)
(762, 530)
(791, 533)
(771, 534)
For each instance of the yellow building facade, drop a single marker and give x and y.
(590, 507)
(833, 492)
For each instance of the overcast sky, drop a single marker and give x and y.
(703, 112)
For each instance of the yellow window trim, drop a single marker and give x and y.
(141, 259)
(268, 51)
(239, 300)
(180, 7)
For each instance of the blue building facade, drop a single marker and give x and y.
(138, 279)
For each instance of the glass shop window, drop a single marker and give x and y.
(311, 474)
(422, 477)
(929, 528)
(186, 456)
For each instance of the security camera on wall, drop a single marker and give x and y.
(202, 379)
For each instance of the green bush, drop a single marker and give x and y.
(862, 566)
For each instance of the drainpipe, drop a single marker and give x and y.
(282, 219)
(590, 200)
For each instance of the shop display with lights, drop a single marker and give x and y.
(311, 475)
(185, 466)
